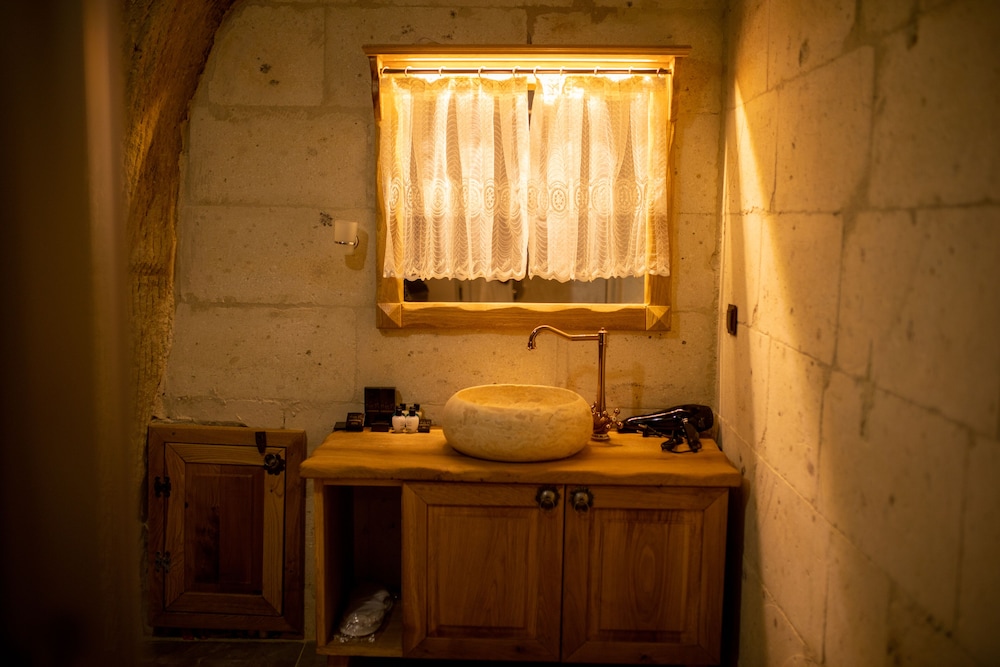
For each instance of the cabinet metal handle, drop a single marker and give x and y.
(274, 464)
(583, 499)
(547, 497)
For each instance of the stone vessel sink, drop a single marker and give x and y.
(517, 422)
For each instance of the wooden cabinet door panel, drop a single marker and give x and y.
(229, 536)
(481, 572)
(225, 533)
(642, 576)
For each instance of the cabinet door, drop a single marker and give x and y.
(481, 572)
(643, 572)
(225, 532)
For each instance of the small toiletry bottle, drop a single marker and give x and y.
(412, 421)
(416, 408)
(399, 420)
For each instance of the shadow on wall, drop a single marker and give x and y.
(782, 272)
(741, 245)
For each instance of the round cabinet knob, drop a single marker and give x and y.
(582, 500)
(547, 497)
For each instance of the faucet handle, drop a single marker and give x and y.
(613, 421)
(605, 421)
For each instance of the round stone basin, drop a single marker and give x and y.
(517, 422)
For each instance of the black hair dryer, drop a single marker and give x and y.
(679, 424)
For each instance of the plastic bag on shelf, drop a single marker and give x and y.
(365, 613)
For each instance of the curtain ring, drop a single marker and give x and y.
(406, 72)
(480, 72)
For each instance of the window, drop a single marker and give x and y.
(471, 186)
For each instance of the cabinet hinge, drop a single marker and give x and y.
(162, 561)
(162, 488)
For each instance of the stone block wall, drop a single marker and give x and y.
(275, 324)
(861, 394)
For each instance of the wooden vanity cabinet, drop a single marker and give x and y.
(635, 574)
(615, 555)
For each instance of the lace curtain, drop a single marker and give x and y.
(598, 183)
(461, 200)
(453, 160)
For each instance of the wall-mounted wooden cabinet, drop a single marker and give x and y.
(225, 528)
(615, 555)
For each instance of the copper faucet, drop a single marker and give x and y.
(603, 421)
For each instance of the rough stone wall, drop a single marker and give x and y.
(275, 324)
(166, 45)
(861, 395)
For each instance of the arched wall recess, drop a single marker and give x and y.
(394, 312)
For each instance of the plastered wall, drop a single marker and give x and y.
(275, 324)
(860, 394)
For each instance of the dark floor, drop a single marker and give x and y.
(268, 653)
(247, 653)
(230, 653)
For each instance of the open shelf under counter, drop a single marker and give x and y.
(387, 642)
(358, 541)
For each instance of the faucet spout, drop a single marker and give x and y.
(545, 327)
(603, 421)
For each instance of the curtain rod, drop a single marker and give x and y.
(526, 70)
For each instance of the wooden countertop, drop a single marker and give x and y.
(628, 459)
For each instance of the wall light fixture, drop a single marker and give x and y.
(345, 232)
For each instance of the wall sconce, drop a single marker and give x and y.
(345, 232)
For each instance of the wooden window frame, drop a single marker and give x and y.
(393, 312)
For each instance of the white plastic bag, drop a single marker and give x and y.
(365, 613)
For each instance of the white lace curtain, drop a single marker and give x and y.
(469, 192)
(598, 177)
(453, 161)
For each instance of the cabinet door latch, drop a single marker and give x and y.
(274, 464)
(161, 488)
(162, 561)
